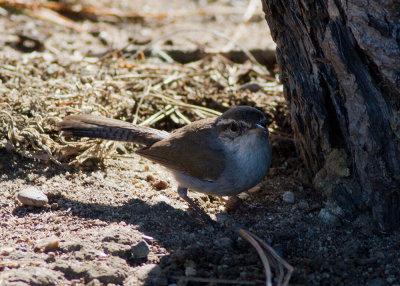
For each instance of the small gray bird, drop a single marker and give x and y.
(220, 156)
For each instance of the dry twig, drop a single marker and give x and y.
(272, 262)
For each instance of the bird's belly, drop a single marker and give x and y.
(242, 172)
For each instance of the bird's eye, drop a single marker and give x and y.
(234, 126)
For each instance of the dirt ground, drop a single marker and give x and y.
(114, 218)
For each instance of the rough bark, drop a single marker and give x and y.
(340, 66)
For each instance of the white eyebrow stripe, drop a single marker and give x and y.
(230, 120)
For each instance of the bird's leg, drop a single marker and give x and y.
(196, 209)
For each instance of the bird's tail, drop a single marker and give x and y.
(91, 126)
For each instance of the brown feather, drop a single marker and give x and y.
(197, 139)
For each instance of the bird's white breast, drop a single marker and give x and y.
(247, 162)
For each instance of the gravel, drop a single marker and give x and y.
(288, 197)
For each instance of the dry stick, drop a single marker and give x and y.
(168, 110)
(247, 236)
(266, 253)
(141, 102)
(279, 259)
(190, 106)
(183, 117)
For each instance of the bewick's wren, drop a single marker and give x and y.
(219, 156)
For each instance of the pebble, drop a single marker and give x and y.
(160, 185)
(328, 218)
(32, 196)
(150, 178)
(288, 197)
(47, 244)
(140, 250)
(233, 203)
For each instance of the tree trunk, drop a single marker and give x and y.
(340, 66)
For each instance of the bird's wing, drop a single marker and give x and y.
(194, 150)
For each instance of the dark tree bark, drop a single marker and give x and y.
(340, 66)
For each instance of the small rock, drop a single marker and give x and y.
(288, 197)
(233, 203)
(32, 196)
(243, 196)
(140, 250)
(160, 185)
(328, 218)
(150, 178)
(47, 244)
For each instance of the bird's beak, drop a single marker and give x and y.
(261, 128)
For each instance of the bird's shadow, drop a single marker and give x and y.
(169, 226)
(166, 224)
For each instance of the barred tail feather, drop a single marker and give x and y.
(111, 129)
